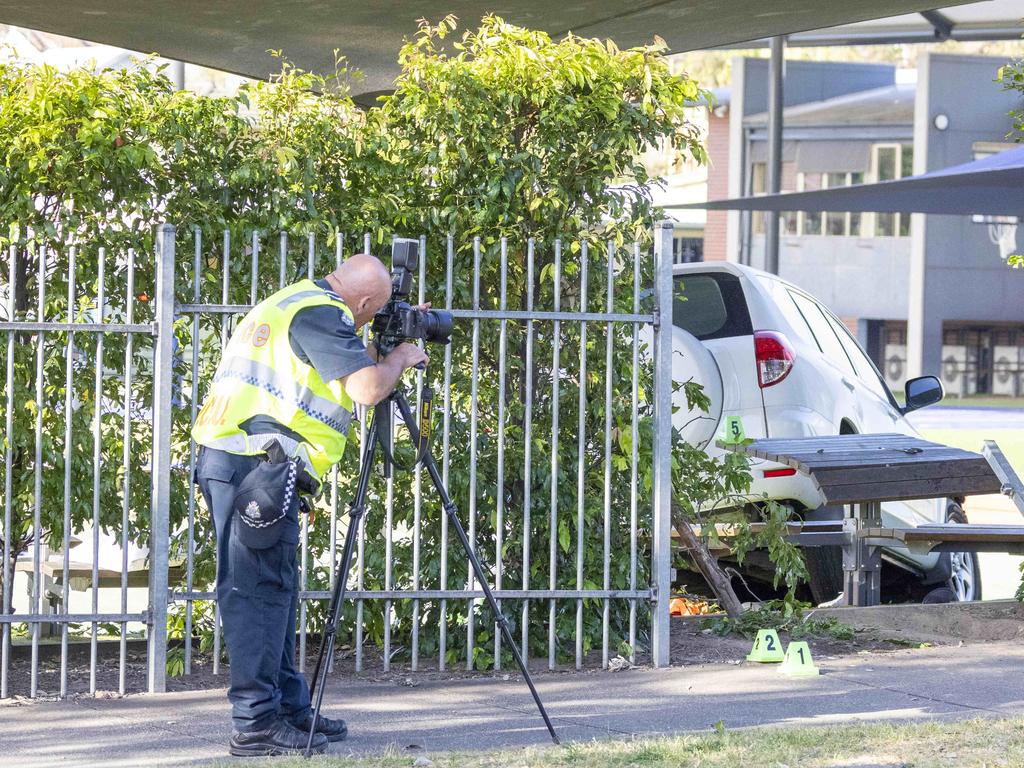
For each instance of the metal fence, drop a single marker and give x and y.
(190, 313)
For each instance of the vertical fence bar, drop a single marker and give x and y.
(581, 447)
(417, 500)
(304, 566)
(635, 455)
(69, 386)
(553, 527)
(126, 461)
(527, 452)
(608, 379)
(361, 541)
(37, 526)
(7, 564)
(224, 287)
(442, 644)
(389, 522)
(97, 467)
(473, 424)
(193, 410)
(159, 520)
(226, 258)
(499, 512)
(254, 267)
(339, 241)
(282, 256)
(661, 531)
(310, 255)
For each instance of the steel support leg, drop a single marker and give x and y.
(862, 563)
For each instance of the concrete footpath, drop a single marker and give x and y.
(192, 728)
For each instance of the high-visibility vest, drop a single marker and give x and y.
(260, 375)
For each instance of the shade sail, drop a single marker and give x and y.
(992, 186)
(235, 35)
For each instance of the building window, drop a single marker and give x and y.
(686, 250)
(788, 221)
(833, 224)
(759, 178)
(790, 181)
(889, 162)
(810, 221)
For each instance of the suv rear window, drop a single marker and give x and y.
(710, 306)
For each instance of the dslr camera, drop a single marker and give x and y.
(399, 321)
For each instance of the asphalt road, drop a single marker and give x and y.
(192, 729)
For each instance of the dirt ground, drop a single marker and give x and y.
(878, 630)
(693, 646)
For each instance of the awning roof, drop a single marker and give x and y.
(235, 35)
(991, 20)
(991, 186)
(888, 105)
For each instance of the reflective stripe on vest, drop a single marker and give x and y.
(257, 374)
(303, 295)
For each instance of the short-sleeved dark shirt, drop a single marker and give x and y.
(325, 338)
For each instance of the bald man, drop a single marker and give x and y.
(275, 420)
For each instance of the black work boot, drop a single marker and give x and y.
(334, 730)
(280, 738)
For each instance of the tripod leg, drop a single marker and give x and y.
(356, 511)
(453, 519)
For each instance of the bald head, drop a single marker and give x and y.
(364, 283)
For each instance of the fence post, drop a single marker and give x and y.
(661, 545)
(159, 535)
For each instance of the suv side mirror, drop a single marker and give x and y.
(922, 391)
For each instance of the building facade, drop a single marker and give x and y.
(925, 294)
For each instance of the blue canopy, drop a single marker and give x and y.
(991, 186)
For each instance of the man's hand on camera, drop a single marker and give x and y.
(369, 385)
(410, 355)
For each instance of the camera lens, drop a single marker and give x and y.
(437, 326)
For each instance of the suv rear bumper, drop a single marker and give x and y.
(786, 421)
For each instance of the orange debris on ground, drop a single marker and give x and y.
(684, 606)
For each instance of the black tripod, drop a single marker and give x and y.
(382, 415)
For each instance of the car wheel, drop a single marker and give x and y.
(965, 574)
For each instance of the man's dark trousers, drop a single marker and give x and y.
(257, 592)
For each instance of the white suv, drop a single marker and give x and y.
(774, 357)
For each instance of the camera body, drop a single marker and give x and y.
(399, 321)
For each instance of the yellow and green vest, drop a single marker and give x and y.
(259, 374)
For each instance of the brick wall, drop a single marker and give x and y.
(718, 186)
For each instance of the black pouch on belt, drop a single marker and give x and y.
(267, 500)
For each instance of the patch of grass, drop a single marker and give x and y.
(982, 401)
(780, 616)
(988, 743)
(1011, 441)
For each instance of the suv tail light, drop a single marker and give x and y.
(774, 357)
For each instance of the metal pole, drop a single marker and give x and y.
(159, 539)
(774, 175)
(661, 544)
